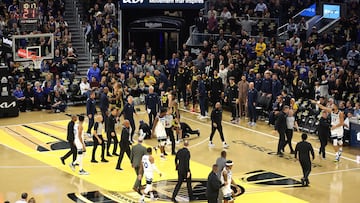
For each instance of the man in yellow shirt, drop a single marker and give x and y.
(149, 80)
(260, 47)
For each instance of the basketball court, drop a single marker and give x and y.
(32, 144)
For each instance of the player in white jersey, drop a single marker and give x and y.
(337, 130)
(80, 146)
(147, 167)
(226, 181)
(158, 130)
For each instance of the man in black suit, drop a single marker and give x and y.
(110, 132)
(104, 104)
(213, 185)
(124, 143)
(280, 127)
(128, 112)
(70, 139)
(304, 149)
(182, 163)
(91, 111)
(152, 104)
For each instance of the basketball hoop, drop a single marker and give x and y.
(36, 61)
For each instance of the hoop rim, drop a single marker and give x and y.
(36, 58)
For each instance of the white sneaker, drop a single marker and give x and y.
(177, 142)
(72, 166)
(89, 135)
(226, 146)
(152, 198)
(337, 157)
(168, 142)
(202, 117)
(211, 144)
(253, 123)
(141, 200)
(83, 172)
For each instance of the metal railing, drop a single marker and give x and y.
(79, 24)
(196, 38)
(282, 30)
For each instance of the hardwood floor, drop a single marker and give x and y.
(264, 176)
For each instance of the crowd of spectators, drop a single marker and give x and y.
(101, 29)
(310, 67)
(247, 17)
(301, 66)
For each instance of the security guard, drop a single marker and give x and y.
(152, 105)
(231, 97)
(304, 149)
(128, 113)
(217, 88)
(181, 80)
(110, 132)
(216, 119)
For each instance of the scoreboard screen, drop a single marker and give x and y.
(29, 12)
(162, 4)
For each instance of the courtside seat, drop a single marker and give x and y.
(263, 106)
(74, 94)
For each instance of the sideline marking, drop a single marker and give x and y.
(329, 172)
(40, 122)
(259, 132)
(21, 167)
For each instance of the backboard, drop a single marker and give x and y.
(26, 46)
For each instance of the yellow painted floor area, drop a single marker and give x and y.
(251, 149)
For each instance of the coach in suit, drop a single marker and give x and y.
(91, 111)
(111, 133)
(152, 104)
(104, 104)
(280, 127)
(128, 112)
(70, 138)
(213, 185)
(182, 162)
(124, 143)
(137, 152)
(303, 150)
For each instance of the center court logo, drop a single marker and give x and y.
(270, 151)
(162, 191)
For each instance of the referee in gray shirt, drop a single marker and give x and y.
(221, 163)
(136, 154)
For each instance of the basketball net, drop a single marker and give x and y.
(36, 61)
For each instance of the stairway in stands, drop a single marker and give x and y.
(72, 17)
